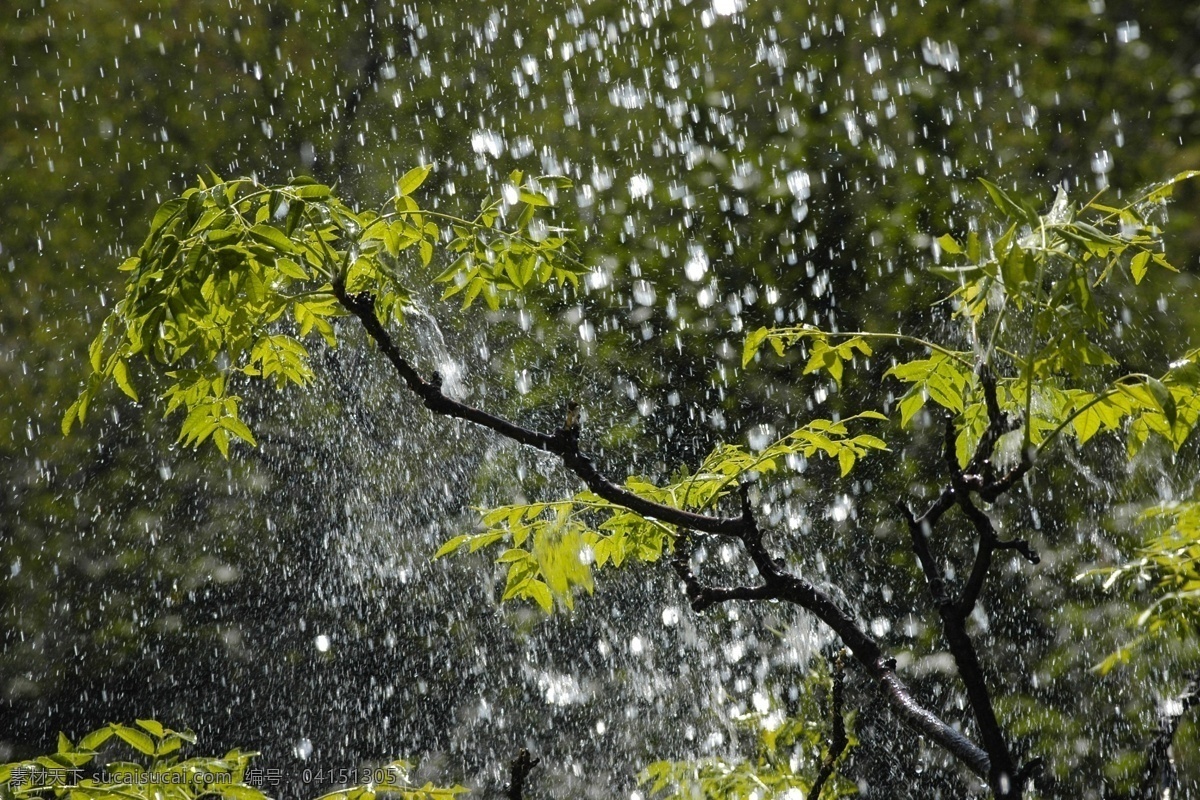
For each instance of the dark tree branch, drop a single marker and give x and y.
(980, 467)
(1002, 769)
(702, 597)
(978, 476)
(1161, 780)
(777, 583)
(519, 771)
(563, 443)
(1006, 780)
(838, 741)
(918, 531)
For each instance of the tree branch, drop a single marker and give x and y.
(989, 542)
(522, 765)
(1003, 776)
(778, 584)
(702, 597)
(918, 531)
(838, 741)
(563, 443)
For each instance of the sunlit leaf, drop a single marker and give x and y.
(412, 180)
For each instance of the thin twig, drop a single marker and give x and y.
(839, 740)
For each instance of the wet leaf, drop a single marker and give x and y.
(412, 180)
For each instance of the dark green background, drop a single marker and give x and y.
(137, 579)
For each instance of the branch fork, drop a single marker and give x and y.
(778, 584)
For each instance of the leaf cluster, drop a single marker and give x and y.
(235, 280)
(553, 546)
(494, 262)
(161, 774)
(1166, 568)
(1031, 301)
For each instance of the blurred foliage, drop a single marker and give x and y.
(790, 157)
(788, 752)
(73, 771)
(1165, 572)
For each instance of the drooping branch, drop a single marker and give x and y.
(564, 443)
(777, 583)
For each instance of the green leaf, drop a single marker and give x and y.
(273, 237)
(1168, 188)
(534, 198)
(754, 341)
(95, 739)
(1086, 424)
(136, 739)
(412, 180)
(940, 376)
(294, 216)
(166, 213)
(313, 191)
(1164, 400)
(121, 376)
(291, 269)
(169, 744)
(151, 726)
(239, 429)
(1016, 267)
(525, 217)
(1138, 265)
(949, 244)
(910, 404)
(221, 439)
(974, 247)
(1006, 204)
(72, 415)
(452, 545)
(539, 592)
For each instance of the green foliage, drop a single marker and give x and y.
(1031, 300)
(235, 276)
(492, 262)
(779, 110)
(1166, 569)
(787, 751)
(158, 772)
(552, 546)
